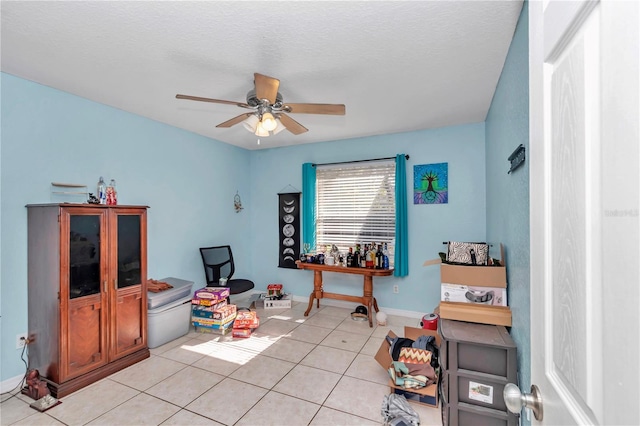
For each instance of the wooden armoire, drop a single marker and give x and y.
(87, 291)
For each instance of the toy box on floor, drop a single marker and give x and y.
(210, 312)
(274, 289)
(246, 321)
(264, 301)
(427, 395)
(209, 296)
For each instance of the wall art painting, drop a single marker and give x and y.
(431, 183)
(289, 229)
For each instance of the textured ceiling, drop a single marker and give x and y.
(397, 66)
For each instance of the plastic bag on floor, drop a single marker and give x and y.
(396, 411)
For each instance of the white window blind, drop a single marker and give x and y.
(355, 204)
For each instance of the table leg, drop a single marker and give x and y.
(306, 313)
(375, 305)
(317, 291)
(367, 295)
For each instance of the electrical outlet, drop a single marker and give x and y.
(21, 340)
(396, 289)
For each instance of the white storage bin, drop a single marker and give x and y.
(181, 288)
(168, 322)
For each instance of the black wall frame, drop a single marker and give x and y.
(289, 229)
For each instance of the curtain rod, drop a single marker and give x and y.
(359, 161)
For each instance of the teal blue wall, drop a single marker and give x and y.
(507, 126)
(189, 182)
(463, 218)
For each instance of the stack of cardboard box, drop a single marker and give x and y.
(474, 293)
(210, 311)
(246, 321)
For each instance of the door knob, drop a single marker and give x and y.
(515, 400)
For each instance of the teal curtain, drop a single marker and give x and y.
(309, 205)
(401, 267)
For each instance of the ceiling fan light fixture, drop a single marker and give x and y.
(280, 127)
(261, 131)
(268, 122)
(251, 123)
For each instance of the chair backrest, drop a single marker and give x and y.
(218, 262)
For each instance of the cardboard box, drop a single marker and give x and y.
(214, 330)
(478, 276)
(212, 312)
(203, 322)
(491, 278)
(209, 305)
(284, 303)
(211, 294)
(471, 312)
(224, 312)
(242, 332)
(246, 319)
(490, 296)
(219, 314)
(427, 395)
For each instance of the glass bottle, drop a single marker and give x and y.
(102, 191)
(379, 257)
(350, 257)
(356, 257)
(385, 257)
(371, 257)
(112, 195)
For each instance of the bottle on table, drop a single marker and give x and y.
(371, 257)
(385, 257)
(350, 257)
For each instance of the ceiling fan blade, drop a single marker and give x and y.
(235, 120)
(215, 101)
(266, 87)
(330, 109)
(292, 125)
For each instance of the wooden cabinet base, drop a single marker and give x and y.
(60, 390)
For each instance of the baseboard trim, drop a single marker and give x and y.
(350, 305)
(11, 384)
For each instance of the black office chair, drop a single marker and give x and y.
(218, 262)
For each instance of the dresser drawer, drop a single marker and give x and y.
(465, 415)
(477, 347)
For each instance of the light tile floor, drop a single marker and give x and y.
(294, 370)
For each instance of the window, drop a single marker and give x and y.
(355, 204)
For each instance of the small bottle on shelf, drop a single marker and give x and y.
(112, 194)
(102, 191)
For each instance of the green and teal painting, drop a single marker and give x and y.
(431, 183)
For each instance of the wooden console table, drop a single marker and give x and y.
(366, 299)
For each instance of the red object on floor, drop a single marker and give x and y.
(430, 322)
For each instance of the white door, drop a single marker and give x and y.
(584, 183)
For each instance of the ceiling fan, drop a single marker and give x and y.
(269, 111)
